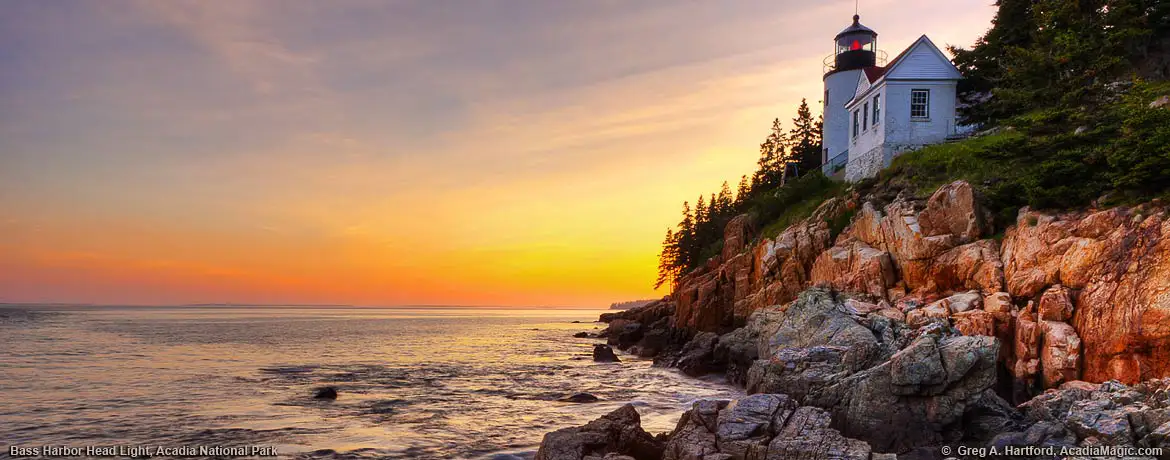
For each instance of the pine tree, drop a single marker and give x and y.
(772, 158)
(988, 63)
(804, 140)
(1060, 53)
(684, 238)
(668, 268)
(701, 212)
(725, 201)
(741, 193)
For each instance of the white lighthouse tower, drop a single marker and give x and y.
(855, 51)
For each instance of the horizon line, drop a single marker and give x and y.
(292, 305)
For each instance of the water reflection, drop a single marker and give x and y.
(414, 383)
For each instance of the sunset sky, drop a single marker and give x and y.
(463, 152)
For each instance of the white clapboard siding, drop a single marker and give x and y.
(923, 61)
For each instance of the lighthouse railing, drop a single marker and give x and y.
(830, 62)
(836, 164)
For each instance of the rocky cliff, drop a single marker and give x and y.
(912, 328)
(1072, 296)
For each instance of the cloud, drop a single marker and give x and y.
(235, 32)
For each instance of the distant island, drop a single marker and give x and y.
(629, 304)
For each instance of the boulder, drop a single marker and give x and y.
(1056, 304)
(935, 312)
(975, 322)
(746, 425)
(855, 267)
(325, 393)
(624, 334)
(1109, 414)
(1042, 434)
(973, 266)
(759, 427)
(903, 404)
(619, 432)
(738, 350)
(604, 354)
(1060, 358)
(1027, 350)
(697, 358)
(955, 209)
(580, 398)
(581, 335)
(694, 436)
(806, 436)
(882, 382)
(735, 235)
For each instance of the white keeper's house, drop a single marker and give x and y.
(875, 111)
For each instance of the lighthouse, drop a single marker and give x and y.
(855, 49)
(876, 111)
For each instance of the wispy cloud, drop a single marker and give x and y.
(374, 151)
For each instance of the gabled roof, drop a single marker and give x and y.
(876, 75)
(901, 58)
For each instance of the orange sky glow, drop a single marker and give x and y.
(390, 152)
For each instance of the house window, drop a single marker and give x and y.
(877, 109)
(920, 103)
(865, 117)
(855, 125)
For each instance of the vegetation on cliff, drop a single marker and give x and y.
(1064, 92)
(786, 157)
(1069, 84)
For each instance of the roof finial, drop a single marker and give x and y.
(856, 9)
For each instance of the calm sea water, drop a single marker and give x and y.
(414, 383)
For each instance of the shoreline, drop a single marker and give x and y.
(908, 330)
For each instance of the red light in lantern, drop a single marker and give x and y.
(856, 45)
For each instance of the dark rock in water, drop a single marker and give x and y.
(662, 341)
(624, 334)
(576, 322)
(617, 433)
(581, 335)
(697, 357)
(325, 393)
(580, 398)
(604, 354)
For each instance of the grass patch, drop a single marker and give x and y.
(1040, 160)
(794, 202)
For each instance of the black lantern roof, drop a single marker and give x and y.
(856, 28)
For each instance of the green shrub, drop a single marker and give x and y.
(789, 204)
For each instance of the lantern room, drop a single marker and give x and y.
(856, 47)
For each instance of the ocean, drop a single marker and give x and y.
(419, 383)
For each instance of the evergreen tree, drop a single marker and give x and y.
(1060, 53)
(741, 193)
(804, 140)
(684, 239)
(668, 268)
(725, 201)
(701, 212)
(773, 158)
